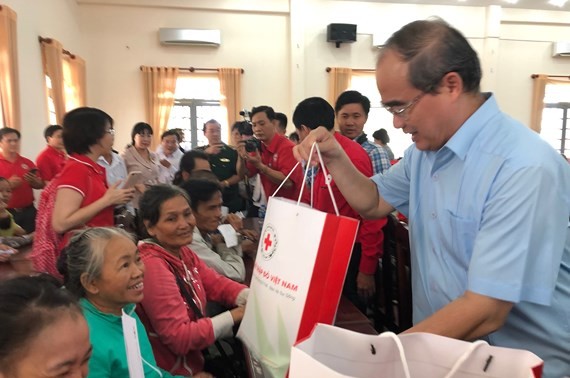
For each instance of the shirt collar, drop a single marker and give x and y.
(88, 306)
(88, 162)
(461, 141)
(272, 146)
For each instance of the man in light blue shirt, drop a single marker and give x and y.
(488, 201)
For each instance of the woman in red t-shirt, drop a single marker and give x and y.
(79, 195)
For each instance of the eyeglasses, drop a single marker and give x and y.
(110, 131)
(403, 110)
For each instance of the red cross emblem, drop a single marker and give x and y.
(267, 242)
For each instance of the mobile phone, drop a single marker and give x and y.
(33, 171)
(133, 178)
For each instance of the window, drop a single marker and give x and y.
(378, 118)
(196, 101)
(1, 114)
(51, 106)
(555, 128)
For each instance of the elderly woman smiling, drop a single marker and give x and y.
(104, 269)
(178, 331)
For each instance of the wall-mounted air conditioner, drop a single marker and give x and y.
(561, 49)
(176, 36)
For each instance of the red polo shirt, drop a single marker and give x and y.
(23, 195)
(370, 234)
(50, 162)
(278, 155)
(89, 179)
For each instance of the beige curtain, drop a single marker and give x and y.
(9, 85)
(230, 89)
(159, 87)
(75, 82)
(539, 87)
(339, 81)
(52, 58)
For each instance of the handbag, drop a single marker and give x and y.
(224, 359)
(336, 352)
(297, 279)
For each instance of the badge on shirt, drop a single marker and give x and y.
(25, 166)
(225, 160)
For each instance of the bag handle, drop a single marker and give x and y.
(472, 348)
(398, 342)
(327, 181)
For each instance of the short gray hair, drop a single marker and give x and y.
(85, 254)
(433, 48)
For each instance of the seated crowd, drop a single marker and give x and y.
(137, 238)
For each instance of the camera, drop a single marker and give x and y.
(252, 145)
(246, 114)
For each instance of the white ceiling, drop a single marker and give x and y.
(524, 4)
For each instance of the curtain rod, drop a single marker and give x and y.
(49, 40)
(194, 69)
(328, 69)
(534, 76)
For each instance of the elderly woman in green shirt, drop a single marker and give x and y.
(103, 268)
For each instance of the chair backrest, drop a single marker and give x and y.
(394, 297)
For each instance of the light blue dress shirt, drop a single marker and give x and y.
(489, 213)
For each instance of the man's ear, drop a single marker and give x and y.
(89, 286)
(452, 84)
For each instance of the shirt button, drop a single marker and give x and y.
(433, 215)
(435, 177)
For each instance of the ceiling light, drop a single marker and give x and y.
(557, 3)
(512, 1)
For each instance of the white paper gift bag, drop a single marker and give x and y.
(297, 279)
(335, 352)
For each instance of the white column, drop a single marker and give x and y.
(490, 58)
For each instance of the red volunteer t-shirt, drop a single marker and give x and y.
(278, 155)
(88, 179)
(50, 162)
(23, 195)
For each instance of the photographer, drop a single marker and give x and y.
(273, 157)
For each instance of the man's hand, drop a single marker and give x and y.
(34, 180)
(235, 221)
(165, 163)
(213, 149)
(327, 143)
(366, 285)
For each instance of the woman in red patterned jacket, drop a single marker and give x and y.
(178, 331)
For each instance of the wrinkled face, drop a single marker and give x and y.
(56, 140)
(143, 140)
(263, 127)
(5, 191)
(351, 119)
(169, 144)
(213, 132)
(209, 214)
(427, 118)
(10, 143)
(121, 280)
(175, 224)
(62, 349)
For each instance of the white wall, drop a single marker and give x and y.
(57, 19)
(254, 41)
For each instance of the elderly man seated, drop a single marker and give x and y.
(206, 202)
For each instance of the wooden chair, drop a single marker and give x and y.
(393, 304)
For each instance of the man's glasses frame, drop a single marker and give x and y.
(403, 110)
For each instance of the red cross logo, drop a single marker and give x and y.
(267, 242)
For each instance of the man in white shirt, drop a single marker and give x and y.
(169, 155)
